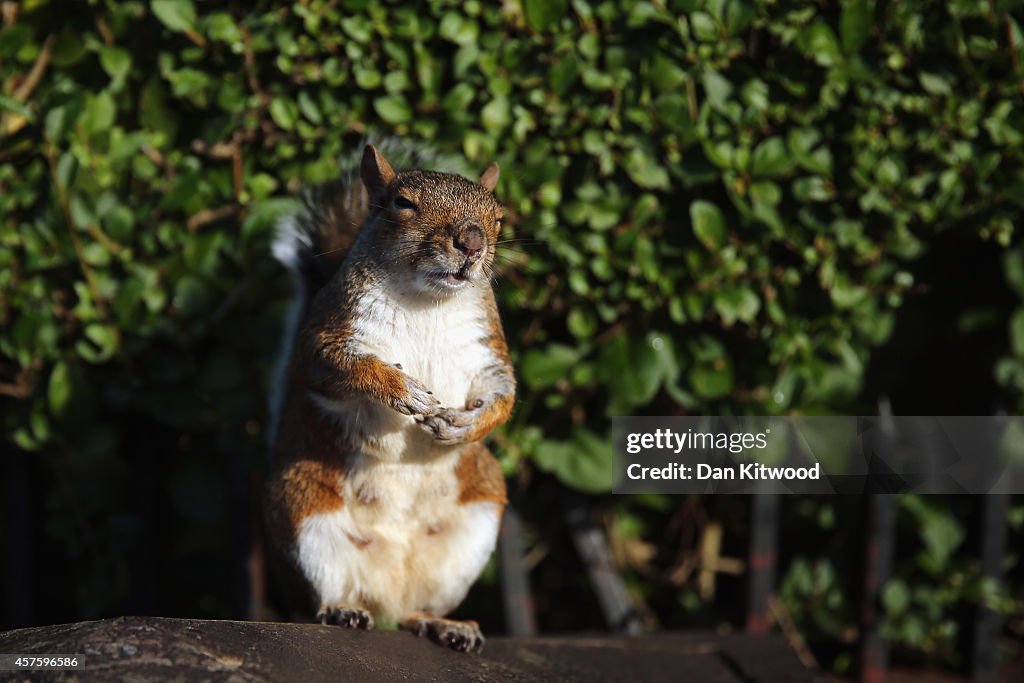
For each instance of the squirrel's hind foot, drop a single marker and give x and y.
(349, 617)
(461, 636)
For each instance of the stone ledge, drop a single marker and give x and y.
(150, 648)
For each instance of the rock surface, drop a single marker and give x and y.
(149, 648)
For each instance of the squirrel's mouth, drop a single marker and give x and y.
(454, 279)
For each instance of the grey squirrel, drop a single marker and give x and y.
(382, 499)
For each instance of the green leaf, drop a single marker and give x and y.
(770, 158)
(70, 398)
(1017, 332)
(542, 15)
(12, 105)
(737, 303)
(665, 74)
(895, 597)
(717, 88)
(819, 42)
(177, 15)
(1013, 268)
(154, 112)
(309, 109)
(563, 74)
(636, 369)
(99, 113)
(60, 388)
(941, 532)
(584, 462)
(645, 171)
(712, 380)
(100, 344)
(458, 29)
(708, 224)
(284, 111)
(704, 27)
(393, 109)
(458, 98)
(116, 61)
(543, 368)
(855, 24)
(934, 84)
(496, 114)
(220, 26)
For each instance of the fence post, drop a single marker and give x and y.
(616, 605)
(878, 553)
(995, 505)
(985, 650)
(761, 560)
(515, 581)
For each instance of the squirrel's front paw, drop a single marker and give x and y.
(349, 617)
(449, 426)
(418, 400)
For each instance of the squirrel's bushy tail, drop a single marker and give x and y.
(314, 241)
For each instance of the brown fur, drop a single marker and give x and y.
(480, 477)
(308, 471)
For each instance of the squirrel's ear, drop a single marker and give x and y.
(376, 172)
(490, 177)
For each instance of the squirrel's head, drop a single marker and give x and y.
(442, 227)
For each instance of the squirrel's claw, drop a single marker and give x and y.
(418, 400)
(461, 636)
(349, 617)
(449, 427)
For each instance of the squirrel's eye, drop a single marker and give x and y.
(404, 203)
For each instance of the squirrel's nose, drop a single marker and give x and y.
(471, 243)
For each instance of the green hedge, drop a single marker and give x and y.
(713, 206)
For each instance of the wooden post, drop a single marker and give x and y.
(878, 548)
(992, 534)
(761, 560)
(515, 581)
(987, 624)
(616, 605)
(878, 553)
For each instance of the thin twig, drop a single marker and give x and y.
(62, 202)
(792, 634)
(104, 28)
(218, 150)
(209, 216)
(104, 239)
(17, 389)
(10, 12)
(35, 75)
(250, 67)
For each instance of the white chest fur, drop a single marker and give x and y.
(401, 543)
(439, 343)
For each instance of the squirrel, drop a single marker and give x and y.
(382, 498)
